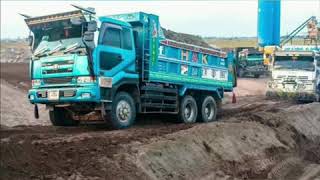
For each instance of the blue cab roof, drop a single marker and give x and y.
(125, 19)
(107, 19)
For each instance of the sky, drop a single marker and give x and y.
(205, 18)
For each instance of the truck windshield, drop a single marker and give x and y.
(258, 56)
(296, 63)
(51, 40)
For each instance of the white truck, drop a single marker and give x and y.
(295, 74)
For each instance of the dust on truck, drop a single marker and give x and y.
(295, 75)
(113, 67)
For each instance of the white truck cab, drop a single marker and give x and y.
(295, 75)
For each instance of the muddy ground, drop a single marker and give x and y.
(253, 139)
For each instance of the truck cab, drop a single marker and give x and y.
(295, 75)
(250, 62)
(75, 63)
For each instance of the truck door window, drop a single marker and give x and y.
(111, 37)
(126, 39)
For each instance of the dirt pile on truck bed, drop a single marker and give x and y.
(259, 140)
(185, 38)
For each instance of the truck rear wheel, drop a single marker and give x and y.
(208, 109)
(61, 117)
(188, 110)
(123, 112)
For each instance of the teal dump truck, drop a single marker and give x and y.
(249, 62)
(113, 67)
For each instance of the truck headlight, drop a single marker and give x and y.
(86, 79)
(31, 97)
(301, 86)
(36, 82)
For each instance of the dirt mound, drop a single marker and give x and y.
(185, 38)
(50, 153)
(16, 74)
(263, 140)
(257, 145)
(16, 109)
(15, 51)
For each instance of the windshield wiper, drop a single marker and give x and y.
(41, 51)
(71, 47)
(308, 69)
(57, 48)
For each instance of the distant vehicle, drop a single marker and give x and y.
(117, 66)
(249, 62)
(295, 75)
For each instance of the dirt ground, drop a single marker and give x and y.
(253, 139)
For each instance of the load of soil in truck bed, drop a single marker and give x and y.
(185, 38)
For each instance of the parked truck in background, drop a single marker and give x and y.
(249, 62)
(295, 74)
(114, 67)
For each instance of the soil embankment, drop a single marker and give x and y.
(262, 140)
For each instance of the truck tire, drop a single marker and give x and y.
(188, 110)
(208, 109)
(123, 113)
(61, 117)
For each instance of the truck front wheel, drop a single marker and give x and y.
(208, 109)
(188, 110)
(61, 117)
(123, 111)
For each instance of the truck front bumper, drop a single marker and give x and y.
(66, 95)
(299, 96)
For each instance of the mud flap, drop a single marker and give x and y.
(234, 99)
(36, 111)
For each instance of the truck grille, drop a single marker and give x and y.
(303, 78)
(64, 80)
(48, 64)
(52, 71)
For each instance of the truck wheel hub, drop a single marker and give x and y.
(123, 111)
(188, 112)
(209, 110)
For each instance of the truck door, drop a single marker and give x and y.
(115, 50)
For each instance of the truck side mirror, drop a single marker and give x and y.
(92, 26)
(30, 40)
(88, 38)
